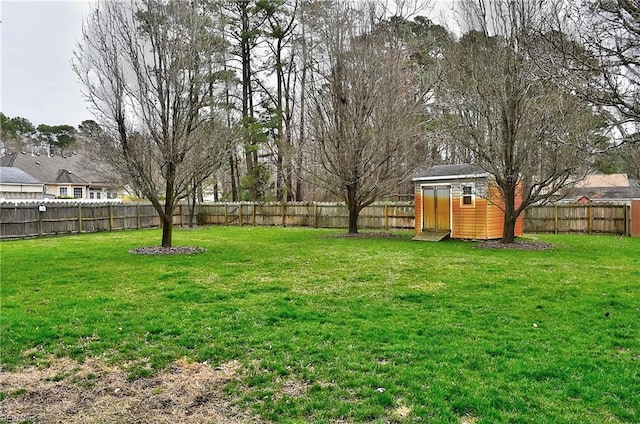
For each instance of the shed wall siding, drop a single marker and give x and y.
(485, 220)
(418, 209)
(469, 222)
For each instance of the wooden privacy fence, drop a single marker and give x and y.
(397, 215)
(30, 219)
(587, 218)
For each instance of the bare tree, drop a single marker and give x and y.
(365, 109)
(602, 48)
(611, 33)
(145, 66)
(281, 25)
(520, 127)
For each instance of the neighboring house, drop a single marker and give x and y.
(17, 184)
(72, 176)
(604, 188)
(459, 201)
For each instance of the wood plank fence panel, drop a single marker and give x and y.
(30, 219)
(19, 220)
(578, 218)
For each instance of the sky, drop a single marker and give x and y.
(37, 39)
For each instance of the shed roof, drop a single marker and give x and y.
(12, 175)
(445, 172)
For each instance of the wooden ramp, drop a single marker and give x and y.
(432, 235)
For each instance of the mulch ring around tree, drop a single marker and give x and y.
(173, 250)
(517, 245)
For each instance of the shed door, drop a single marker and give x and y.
(436, 209)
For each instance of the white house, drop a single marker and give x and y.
(73, 176)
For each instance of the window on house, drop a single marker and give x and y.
(63, 191)
(77, 192)
(468, 196)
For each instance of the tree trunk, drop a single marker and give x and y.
(167, 231)
(233, 171)
(354, 208)
(169, 206)
(354, 211)
(280, 181)
(510, 216)
(508, 235)
(192, 201)
(302, 123)
(250, 155)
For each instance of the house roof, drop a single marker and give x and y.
(72, 169)
(444, 172)
(608, 193)
(604, 180)
(12, 175)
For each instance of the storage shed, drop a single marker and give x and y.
(461, 202)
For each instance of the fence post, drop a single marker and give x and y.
(590, 219)
(386, 217)
(627, 220)
(315, 214)
(110, 217)
(284, 214)
(79, 218)
(226, 214)
(39, 222)
(138, 216)
(555, 219)
(240, 214)
(253, 213)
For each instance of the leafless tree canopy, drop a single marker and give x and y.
(602, 55)
(146, 68)
(500, 107)
(314, 99)
(366, 111)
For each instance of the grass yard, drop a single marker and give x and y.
(335, 329)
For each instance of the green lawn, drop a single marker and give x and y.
(366, 325)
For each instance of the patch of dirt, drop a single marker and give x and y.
(468, 419)
(174, 250)
(93, 392)
(402, 412)
(295, 389)
(518, 245)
